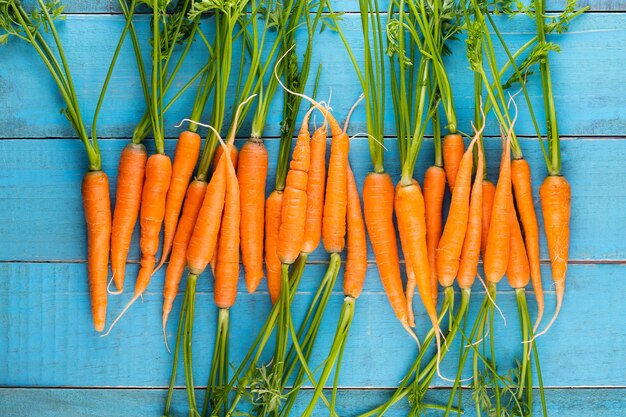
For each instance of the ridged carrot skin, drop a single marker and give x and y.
(356, 258)
(434, 191)
(178, 260)
(130, 177)
(316, 187)
(252, 174)
(97, 205)
(522, 187)
(205, 232)
(378, 199)
(518, 269)
(273, 206)
(489, 191)
(185, 158)
(227, 265)
(496, 257)
(158, 174)
(335, 202)
(453, 149)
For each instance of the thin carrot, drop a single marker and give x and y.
(315, 191)
(451, 243)
(470, 254)
(522, 187)
(496, 256)
(252, 174)
(336, 199)
(453, 149)
(434, 191)
(131, 171)
(518, 269)
(356, 258)
(273, 206)
(489, 191)
(185, 158)
(96, 202)
(234, 154)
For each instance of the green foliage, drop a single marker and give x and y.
(33, 21)
(266, 390)
(538, 55)
(473, 44)
(228, 7)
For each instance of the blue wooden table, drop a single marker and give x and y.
(52, 363)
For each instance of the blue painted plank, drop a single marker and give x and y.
(141, 403)
(46, 305)
(590, 97)
(42, 212)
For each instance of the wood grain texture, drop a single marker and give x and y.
(47, 339)
(590, 100)
(142, 403)
(42, 215)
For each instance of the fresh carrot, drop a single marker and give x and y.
(434, 190)
(131, 171)
(316, 186)
(453, 150)
(468, 268)
(496, 256)
(522, 187)
(489, 191)
(518, 268)
(252, 174)
(95, 191)
(232, 150)
(451, 242)
(185, 158)
(273, 207)
(356, 258)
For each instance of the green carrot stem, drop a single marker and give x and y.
(218, 376)
(187, 342)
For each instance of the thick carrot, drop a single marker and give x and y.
(451, 242)
(434, 190)
(252, 174)
(315, 190)
(556, 195)
(185, 158)
(470, 254)
(335, 202)
(227, 265)
(293, 210)
(378, 199)
(489, 191)
(273, 206)
(522, 187)
(496, 256)
(178, 260)
(131, 171)
(97, 205)
(518, 269)
(453, 149)
(356, 259)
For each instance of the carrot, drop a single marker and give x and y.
(496, 256)
(316, 186)
(293, 209)
(522, 187)
(356, 259)
(234, 154)
(273, 206)
(131, 171)
(451, 242)
(185, 158)
(378, 201)
(252, 174)
(227, 265)
(96, 202)
(453, 149)
(470, 254)
(434, 190)
(176, 266)
(335, 202)
(518, 269)
(489, 191)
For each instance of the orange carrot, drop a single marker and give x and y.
(131, 171)
(451, 242)
(178, 260)
(522, 187)
(185, 158)
(470, 254)
(489, 191)
(273, 206)
(356, 259)
(496, 256)
(316, 186)
(97, 205)
(378, 199)
(453, 149)
(518, 269)
(234, 154)
(434, 190)
(252, 175)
